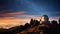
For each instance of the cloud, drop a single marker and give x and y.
(8, 22)
(11, 14)
(17, 13)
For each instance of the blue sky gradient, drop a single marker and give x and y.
(31, 7)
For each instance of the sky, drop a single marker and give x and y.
(21, 11)
(29, 7)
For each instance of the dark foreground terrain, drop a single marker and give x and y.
(34, 28)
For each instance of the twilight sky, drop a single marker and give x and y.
(16, 8)
(19, 12)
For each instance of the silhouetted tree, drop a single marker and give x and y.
(54, 27)
(36, 22)
(59, 26)
(54, 22)
(32, 22)
(59, 20)
(27, 25)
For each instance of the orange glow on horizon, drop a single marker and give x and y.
(11, 22)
